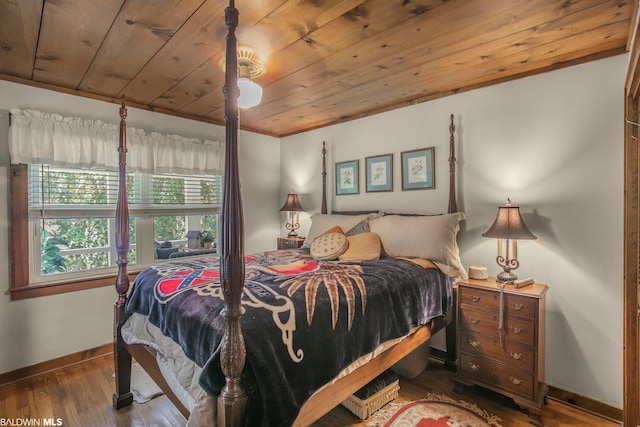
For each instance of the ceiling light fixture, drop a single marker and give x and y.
(249, 68)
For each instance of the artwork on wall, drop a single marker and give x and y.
(379, 173)
(418, 169)
(347, 177)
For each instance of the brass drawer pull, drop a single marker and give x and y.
(516, 330)
(517, 356)
(474, 367)
(474, 320)
(518, 306)
(516, 381)
(475, 298)
(474, 343)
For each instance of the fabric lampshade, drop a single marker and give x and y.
(292, 204)
(509, 225)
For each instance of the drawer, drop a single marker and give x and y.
(473, 297)
(495, 374)
(515, 329)
(514, 354)
(514, 305)
(520, 306)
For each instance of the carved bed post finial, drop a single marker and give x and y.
(232, 400)
(122, 358)
(323, 208)
(453, 206)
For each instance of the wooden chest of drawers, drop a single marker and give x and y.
(505, 355)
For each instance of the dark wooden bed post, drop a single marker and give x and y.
(323, 208)
(232, 400)
(450, 329)
(122, 358)
(453, 205)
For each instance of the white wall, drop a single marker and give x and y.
(553, 143)
(40, 329)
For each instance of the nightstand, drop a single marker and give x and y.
(290, 242)
(510, 360)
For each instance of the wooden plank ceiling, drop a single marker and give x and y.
(328, 61)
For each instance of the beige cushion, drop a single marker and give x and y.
(323, 222)
(430, 237)
(329, 246)
(362, 247)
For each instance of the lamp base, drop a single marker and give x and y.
(506, 277)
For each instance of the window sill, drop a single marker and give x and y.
(32, 291)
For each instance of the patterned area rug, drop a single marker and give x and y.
(437, 410)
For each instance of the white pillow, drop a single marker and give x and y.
(431, 237)
(322, 222)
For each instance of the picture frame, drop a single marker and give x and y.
(379, 173)
(418, 169)
(347, 177)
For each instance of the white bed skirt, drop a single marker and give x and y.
(178, 370)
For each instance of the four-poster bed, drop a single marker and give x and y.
(229, 350)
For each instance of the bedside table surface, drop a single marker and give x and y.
(290, 242)
(536, 290)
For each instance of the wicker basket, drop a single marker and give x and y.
(363, 408)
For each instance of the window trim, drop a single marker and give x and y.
(32, 291)
(19, 287)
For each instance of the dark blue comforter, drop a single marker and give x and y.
(304, 322)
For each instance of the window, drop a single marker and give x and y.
(71, 225)
(63, 194)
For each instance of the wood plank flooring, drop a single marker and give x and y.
(80, 396)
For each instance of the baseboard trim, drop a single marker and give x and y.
(586, 404)
(57, 363)
(575, 400)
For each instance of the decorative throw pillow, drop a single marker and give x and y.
(329, 246)
(322, 222)
(334, 229)
(361, 227)
(362, 247)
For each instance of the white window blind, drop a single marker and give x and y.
(64, 192)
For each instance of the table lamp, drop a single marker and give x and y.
(293, 207)
(509, 227)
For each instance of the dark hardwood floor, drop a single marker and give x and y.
(80, 396)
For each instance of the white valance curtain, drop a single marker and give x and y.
(44, 138)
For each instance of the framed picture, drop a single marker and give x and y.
(379, 173)
(418, 169)
(347, 177)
